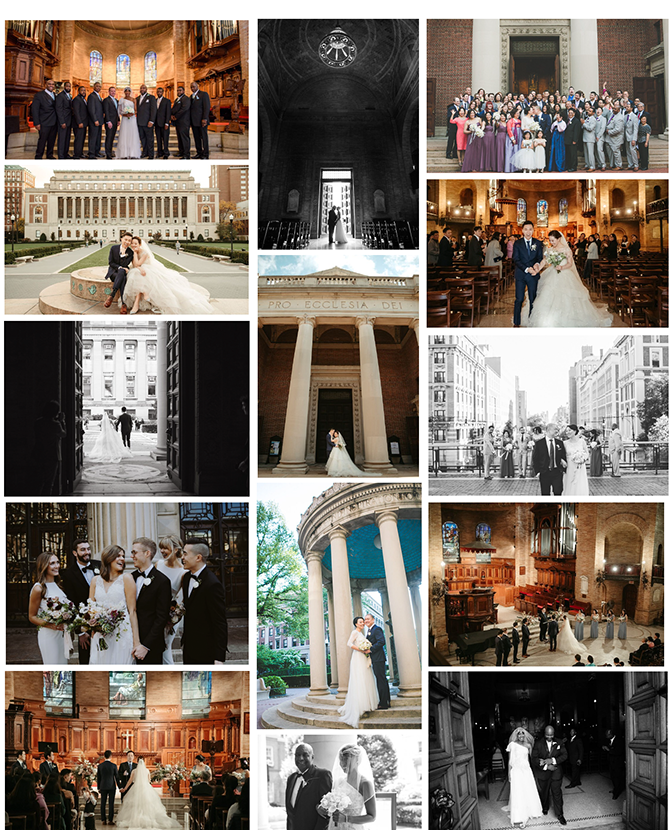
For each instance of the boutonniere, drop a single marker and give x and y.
(96, 571)
(533, 247)
(148, 580)
(195, 580)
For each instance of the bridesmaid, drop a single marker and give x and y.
(461, 138)
(595, 618)
(596, 462)
(622, 633)
(50, 637)
(489, 154)
(507, 458)
(473, 158)
(170, 565)
(609, 628)
(513, 139)
(501, 139)
(579, 626)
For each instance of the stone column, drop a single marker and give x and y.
(409, 666)
(97, 375)
(333, 639)
(414, 325)
(357, 600)
(297, 410)
(372, 401)
(666, 65)
(486, 65)
(141, 382)
(120, 523)
(342, 603)
(317, 635)
(263, 813)
(416, 608)
(160, 452)
(584, 55)
(387, 635)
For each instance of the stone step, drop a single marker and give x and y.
(287, 713)
(328, 707)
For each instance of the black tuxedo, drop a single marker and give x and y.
(475, 253)
(200, 107)
(126, 423)
(181, 115)
(116, 273)
(525, 636)
(502, 646)
(153, 608)
(576, 757)
(552, 629)
(378, 656)
(108, 778)
(64, 116)
(110, 108)
(543, 625)
(79, 116)
(77, 590)
(329, 444)
(525, 256)
(572, 134)
(43, 114)
(95, 113)
(446, 257)
(549, 780)
(18, 768)
(551, 478)
(515, 643)
(125, 771)
(162, 127)
(46, 769)
(205, 637)
(616, 757)
(333, 216)
(302, 815)
(146, 114)
(452, 129)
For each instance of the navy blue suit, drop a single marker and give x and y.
(525, 256)
(378, 656)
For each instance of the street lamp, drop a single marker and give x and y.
(60, 233)
(13, 220)
(231, 219)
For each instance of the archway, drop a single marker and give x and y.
(629, 600)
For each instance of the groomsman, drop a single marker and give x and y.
(95, 118)
(146, 118)
(19, 766)
(200, 106)
(43, 114)
(80, 121)
(599, 133)
(110, 107)
(205, 637)
(153, 595)
(571, 138)
(614, 133)
(47, 766)
(589, 127)
(630, 136)
(162, 125)
(64, 116)
(181, 116)
(77, 580)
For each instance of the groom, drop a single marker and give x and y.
(549, 461)
(376, 637)
(120, 257)
(546, 759)
(333, 216)
(205, 637)
(125, 421)
(527, 255)
(153, 596)
(330, 444)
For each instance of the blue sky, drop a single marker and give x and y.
(373, 265)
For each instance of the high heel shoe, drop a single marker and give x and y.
(133, 311)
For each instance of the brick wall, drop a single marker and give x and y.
(449, 61)
(616, 65)
(274, 378)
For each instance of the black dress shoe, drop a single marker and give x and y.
(570, 786)
(561, 820)
(544, 812)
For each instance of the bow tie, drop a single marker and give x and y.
(137, 574)
(87, 568)
(198, 579)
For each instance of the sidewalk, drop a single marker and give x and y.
(630, 484)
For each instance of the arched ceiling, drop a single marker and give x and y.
(134, 29)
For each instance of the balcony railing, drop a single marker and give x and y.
(623, 572)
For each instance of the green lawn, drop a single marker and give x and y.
(22, 246)
(237, 246)
(100, 257)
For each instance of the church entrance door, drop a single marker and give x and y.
(337, 188)
(534, 64)
(629, 600)
(335, 412)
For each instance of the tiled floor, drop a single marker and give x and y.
(630, 484)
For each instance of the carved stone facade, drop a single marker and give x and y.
(535, 28)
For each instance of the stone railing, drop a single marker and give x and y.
(353, 281)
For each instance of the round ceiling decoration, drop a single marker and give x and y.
(337, 49)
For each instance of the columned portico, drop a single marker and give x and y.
(317, 637)
(333, 639)
(342, 602)
(374, 423)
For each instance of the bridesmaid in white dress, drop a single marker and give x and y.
(128, 145)
(170, 565)
(50, 638)
(362, 695)
(115, 588)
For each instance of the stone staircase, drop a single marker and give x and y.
(320, 711)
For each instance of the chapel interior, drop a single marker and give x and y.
(345, 135)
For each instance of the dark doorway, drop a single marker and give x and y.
(652, 92)
(629, 600)
(335, 412)
(534, 64)
(337, 188)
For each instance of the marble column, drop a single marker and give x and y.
(263, 802)
(666, 66)
(584, 55)
(486, 61)
(119, 523)
(342, 603)
(160, 452)
(317, 635)
(387, 634)
(168, 519)
(409, 666)
(297, 409)
(356, 596)
(414, 325)
(415, 596)
(372, 402)
(333, 639)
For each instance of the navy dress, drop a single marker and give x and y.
(557, 159)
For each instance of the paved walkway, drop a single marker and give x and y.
(630, 484)
(319, 471)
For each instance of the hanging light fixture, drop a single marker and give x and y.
(338, 49)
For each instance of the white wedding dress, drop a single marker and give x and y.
(109, 446)
(142, 808)
(524, 799)
(575, 480)
(339, 464)
(340, 234)
(51, 642)
(164, 289)
(119, 651)
(128, 146)
(357, 783)
(175, 575)
(562, 300)
(362, 693)
(566, 640)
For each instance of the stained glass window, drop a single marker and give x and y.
(196, 694)
(58, 688)
(451, 546)
(563, 213)
(150, 69)
(95, 68)
(122, 71)
(542, 214)
(483, 533)
(520, 211)
(127, 695)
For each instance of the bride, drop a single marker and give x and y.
(153, 287)
(339, 464)
(566, 640)
(142, 808)
(575, 480)
(115, 588)
(128, 145)
(340, 235)
(562, 300)
(524, 799)
(362, 693)
(352, 776)
(109, 445)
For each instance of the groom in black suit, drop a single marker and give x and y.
(304, 791)
(333, 216)
(546, 759)
(120, 257)
(205, 638)
(200, 107)
(527, 255)
(107, 779)
(330, 444)
(550, 460)
(110, 109)
(378, 656)
(77, 579)
(153, 597)
(146, 118)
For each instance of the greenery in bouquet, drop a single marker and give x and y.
(86, 771)
(94, 618)
(170, 773)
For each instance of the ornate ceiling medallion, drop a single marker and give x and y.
(337, 48)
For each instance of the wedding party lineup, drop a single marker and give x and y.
(437, 467)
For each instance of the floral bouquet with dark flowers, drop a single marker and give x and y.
(177, 611)
(58, 611)
(94, 618)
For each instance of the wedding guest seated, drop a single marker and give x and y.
(590, 661)
(70, 795)
(657, 640)
(239, 810)
(25, 800)
(578, 662)
(203, 787)
(642, 656)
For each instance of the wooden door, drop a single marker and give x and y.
(73, 405)
(629, 600)
(557, 72)
(451, 750)
(646, 749)
(652, 93)
(430, 106)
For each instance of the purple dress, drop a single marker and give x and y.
(473, 158)
(501, 139)
(511, 148)
(489, 154)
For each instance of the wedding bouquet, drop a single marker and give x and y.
(177, 611)
(94, 618)
(478, 131)
(533, 126)
(334, 802)
(580, 458)
(365, 645)
(555, 258)
(58, 611)
(496, 116)
(593, 444)
(86, 771)
(169, 772)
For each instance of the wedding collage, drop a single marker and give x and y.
(250, 191)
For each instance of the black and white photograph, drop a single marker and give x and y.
(574, 253)
(143, 241)
(338, 164)
(552, 416)
(127, 89)
(339, 605)
(127, 584)
(133, 749)
(127, 408)
(326, 781)
(547, 749)
(533, 96)
(571, 584)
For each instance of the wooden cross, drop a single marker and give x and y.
(127, 735)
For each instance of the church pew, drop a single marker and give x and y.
(22, 821)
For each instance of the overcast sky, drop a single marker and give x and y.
(373, 265)
(43, 170)
(293, 497)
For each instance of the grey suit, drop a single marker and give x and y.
(631, 124)
(589, 139)
(614, 138)
(599, 133)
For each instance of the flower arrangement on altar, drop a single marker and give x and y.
(86, 771)
(172, 773)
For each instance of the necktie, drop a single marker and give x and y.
(528, 246)
(552, 459)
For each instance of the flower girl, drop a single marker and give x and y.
(524, 158)
(539, 145)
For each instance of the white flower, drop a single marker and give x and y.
(96, 571)
(533, 247)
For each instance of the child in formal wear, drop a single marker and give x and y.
(89, 808)
(524, 158)
(539, 146)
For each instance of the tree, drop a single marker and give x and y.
(659, 430)
(654, 405)
(43, 237)
(269, 658)
(20, 228)
(383, 758)
(534, 421)
(157, 236)
(53, 236)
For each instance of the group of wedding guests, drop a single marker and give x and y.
(29, 792)
(513, 133)
(648, 652)
(170, 593)
(144, 120)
